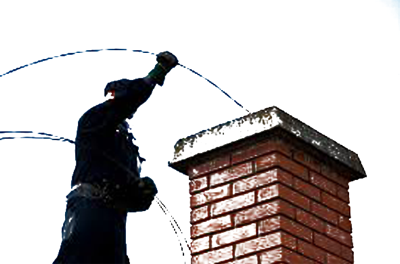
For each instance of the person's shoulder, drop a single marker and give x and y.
(125, 83)
(94, 113)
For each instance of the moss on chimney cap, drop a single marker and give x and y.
(256, 123)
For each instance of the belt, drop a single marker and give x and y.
(87, 190)
(92, 191)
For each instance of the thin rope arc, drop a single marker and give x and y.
(72, 142)
(180, 244)
(68, 140)
(159, 202)
(98, 50)
(215, 86)
(68, 54)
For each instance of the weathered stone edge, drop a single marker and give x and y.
(291, 124)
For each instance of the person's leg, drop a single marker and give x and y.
(65, 233)
(98, 235)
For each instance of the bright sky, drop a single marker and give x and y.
(332, 64)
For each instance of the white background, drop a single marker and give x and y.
(334, 65)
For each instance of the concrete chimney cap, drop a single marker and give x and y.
(256, 123)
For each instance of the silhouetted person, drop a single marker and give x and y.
(106, 183)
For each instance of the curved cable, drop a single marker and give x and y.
(62, 139)
(98, 50)
(48, 136)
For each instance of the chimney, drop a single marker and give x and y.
(267, 188)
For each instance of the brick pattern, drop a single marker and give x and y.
(214, 256)
(284, 255)
(265, 242)
(256, 150)
(269, 203)
(234, 235)
(248, 260)
(230, 174)
(212, 165)
(281, 222)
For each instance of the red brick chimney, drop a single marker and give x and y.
(267, 188)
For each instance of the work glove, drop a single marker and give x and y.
(147, 191)
(166, 61)
(137, 196)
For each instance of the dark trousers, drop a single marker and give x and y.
(92, 233)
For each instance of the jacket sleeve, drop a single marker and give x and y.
(105, 117)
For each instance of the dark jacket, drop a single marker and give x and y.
(102, 132)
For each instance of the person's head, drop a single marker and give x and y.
(110, 95)
(117, 89)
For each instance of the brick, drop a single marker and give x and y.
(247, 260)
(294, 197)
(343, 194)
(332, 175)
(331, 259)
(280, 146)
(286, 224)
(336, 204)
(307, 160)
(264, 210)
(285, 255)
(339, 235)
(268, 193)
(347, 253)
(327, 244)
(277, 159)
(233, 235)
(311, 251)
(209, 196)
(324, 212)
(265, 242)
(310, 220)
(344, 182)
(198, 184)
(274, 175)
(307, 189)
(231, 174)
(245, 185)
(211, 225)
(199, 214)
(262, 179)
(345, 178)
(258, 149)
(214, 256)
(279, 190)
(345, 223)
(244, 154)
(209, 166)
(200, 244)
(323, 183)
(270, 224)
(232, 204)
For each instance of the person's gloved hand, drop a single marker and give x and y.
(139, 195)
(167, 60)
(135, 196)
(147, 191)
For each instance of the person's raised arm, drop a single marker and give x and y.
(127, 96)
